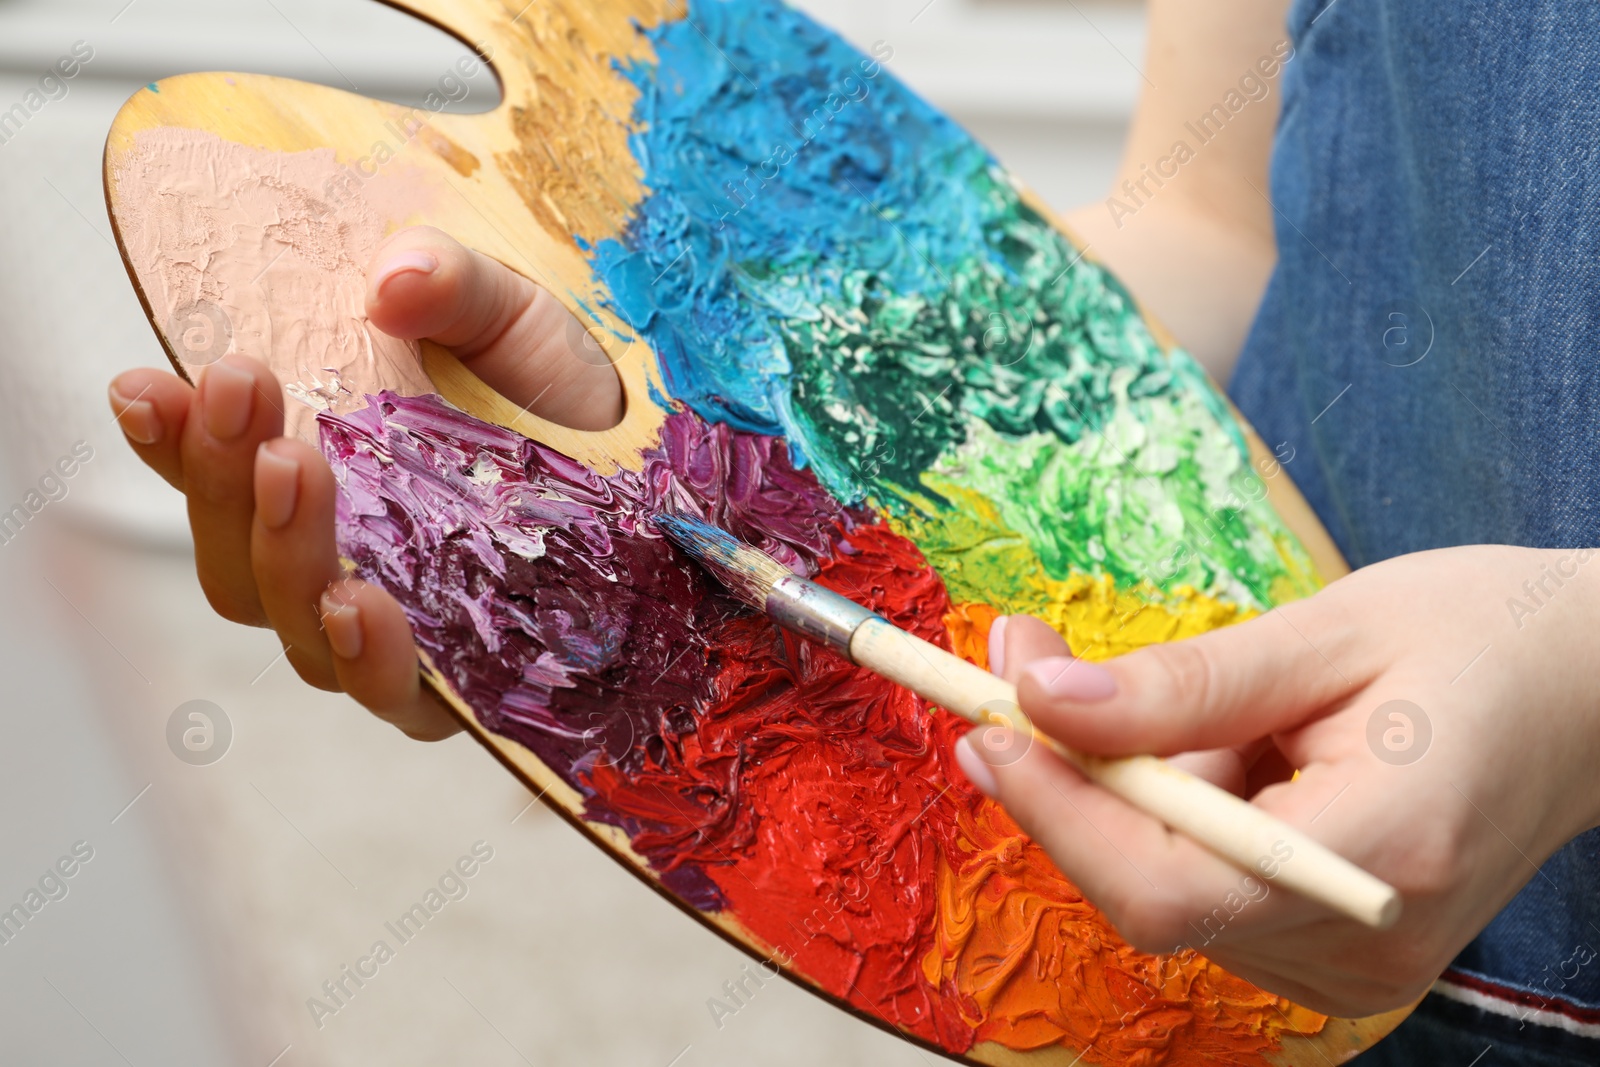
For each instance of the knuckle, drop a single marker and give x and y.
(313, 670)
(1432, 869)
(1428, 866)
(213, 481)
(229, 603)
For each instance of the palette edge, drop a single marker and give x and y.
(1286, 498)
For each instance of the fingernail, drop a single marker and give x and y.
(342, 622)
(137, 418)
(997, 646)
(277, 486)
(978, 772)
(227, 399)
(1065, 678)
(415, 261)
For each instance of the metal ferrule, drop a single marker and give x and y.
(812, 611)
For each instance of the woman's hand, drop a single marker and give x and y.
(1443, 712)
(261, 506)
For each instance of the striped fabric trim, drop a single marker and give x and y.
(1519, 1004)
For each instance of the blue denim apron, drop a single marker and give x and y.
(1429, 347)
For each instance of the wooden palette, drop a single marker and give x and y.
(245, 207)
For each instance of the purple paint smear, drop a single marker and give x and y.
(543, 592)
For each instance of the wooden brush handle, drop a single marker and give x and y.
(1233, 828)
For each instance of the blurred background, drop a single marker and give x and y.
(229, 877)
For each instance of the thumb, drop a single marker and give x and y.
(1223, 688)
(513, 334)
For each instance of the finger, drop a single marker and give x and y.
(1224, 688)
(1126, 832)
(292, 551)
(1017, 640)
(1163, 891)
(513, 334)
(1156, 887)
(1013, 642)
(1223, 767)
(151, 407)
(376, 660)
(238, 405)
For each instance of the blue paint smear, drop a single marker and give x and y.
(781, 161)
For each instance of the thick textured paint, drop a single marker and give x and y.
(887, 370)
(745, 572)
(898, 379)
(830, 259)
(982, 561)
(838, 789)
(570, 164)
(758, 773)
(202, 217)
(543, 592)
(1074, 981)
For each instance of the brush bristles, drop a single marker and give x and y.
(748, 573)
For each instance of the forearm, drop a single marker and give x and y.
(1186, 223)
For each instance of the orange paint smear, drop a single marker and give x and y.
(968, 627)
(1031, 964)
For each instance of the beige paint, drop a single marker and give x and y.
(264, 253)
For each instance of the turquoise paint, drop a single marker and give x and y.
(824, 257)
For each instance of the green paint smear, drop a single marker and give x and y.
(1032, 380)
(979, 557)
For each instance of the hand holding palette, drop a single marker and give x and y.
(846, 337)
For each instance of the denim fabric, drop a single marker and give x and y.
(1444, 1034)
(1429, 342)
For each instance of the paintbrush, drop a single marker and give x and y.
(1229, 826)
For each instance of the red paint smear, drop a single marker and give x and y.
(842, 879)
(823, 803)
(824, 793)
